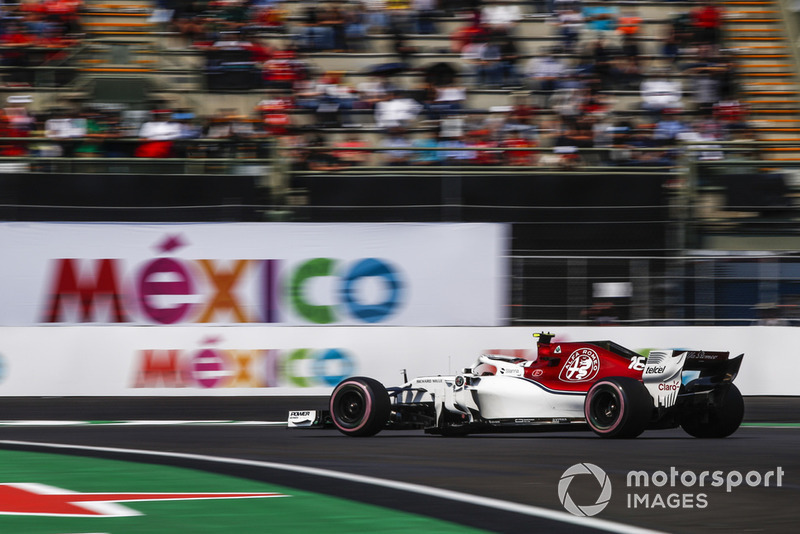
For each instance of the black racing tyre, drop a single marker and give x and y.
(718, 421)
(618, 407)
(359, 406)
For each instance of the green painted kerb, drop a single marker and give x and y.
(771, 425)
(300, 513)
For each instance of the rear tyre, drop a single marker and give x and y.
(359, 406)
(717, 421)
(618, 407)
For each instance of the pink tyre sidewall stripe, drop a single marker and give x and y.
(622, 408)
(367, 409)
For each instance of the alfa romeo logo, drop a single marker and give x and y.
(602, 499)
(582, 365)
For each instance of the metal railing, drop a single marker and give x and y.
(686, 290)
(685, 282)
(114, 165)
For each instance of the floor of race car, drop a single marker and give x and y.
(501, 483)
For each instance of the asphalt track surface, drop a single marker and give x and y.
(521, 469)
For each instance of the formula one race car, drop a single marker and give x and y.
(614, 391)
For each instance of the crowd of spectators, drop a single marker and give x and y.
(36, 33)
(564, 99)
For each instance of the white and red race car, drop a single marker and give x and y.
(614, 391)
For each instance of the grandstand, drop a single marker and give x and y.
(591, 190)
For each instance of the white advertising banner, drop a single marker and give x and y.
(230, 361)
(253, 273)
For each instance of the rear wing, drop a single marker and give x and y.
(670, 372)
(708, 369)
(699, 359)
(713, 363)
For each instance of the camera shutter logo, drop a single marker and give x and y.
(602, 499)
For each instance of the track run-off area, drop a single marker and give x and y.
(240, 473)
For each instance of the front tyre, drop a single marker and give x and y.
(719, 420)
(618, 407)
(359, 406)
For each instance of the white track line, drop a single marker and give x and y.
(535, 511)
(233, 422)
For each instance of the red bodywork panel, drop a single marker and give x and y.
(577, 366)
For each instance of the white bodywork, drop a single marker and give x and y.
(662, 376)
(504, 395)
(507, 395)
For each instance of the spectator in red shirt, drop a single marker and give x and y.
(11, 128)
(282, 70)
(629, 23)
(352, 157)
(518, 139)
(471, 33)
(275, 115)
(14, 42)
(489, 155)
(707, 21)
(157, 135)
